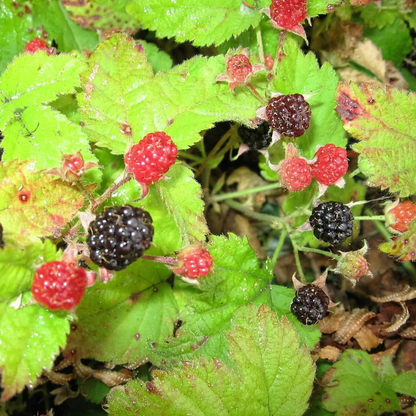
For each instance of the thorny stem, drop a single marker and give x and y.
(237, 194)
(279, 51)
(171, 261)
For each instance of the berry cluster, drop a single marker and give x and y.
(295, 174)
(256, 139)
(310, 304)
(331, 164)
(289, 115)
(59, 285)
(401, 215)
(119, 236)
(332, 222)
(193, 262)
(151, 158)
(38, 44)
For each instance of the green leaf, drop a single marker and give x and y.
(380, 17)
(299, 73)
(235, 281)
(266, 380)
(316, 7)
(53, 16)
(30, 340)
(38, 129)
(159, 59)
(45, 78)
(385, 151)
(358, 388)
(119, 111)
(203, 22)
(388, 38)
(116, 320)
(103, 15)
(33, 204)
(404, 383)
(16, 23)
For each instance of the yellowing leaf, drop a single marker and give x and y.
(34, 204)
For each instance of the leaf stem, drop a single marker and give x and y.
(256, 94)
(279, 247)
(316, 250)
(245, 192)
(298, 264)
(260, 44)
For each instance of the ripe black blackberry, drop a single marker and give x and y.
(289, 115)
(310, 304)
(256, 139)
(119, 236)
(332, 222)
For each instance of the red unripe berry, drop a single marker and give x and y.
(288, 14)
(193, 262)
(36, 44)
(59, 285)
(331, 164)
(269, 62)
(404, 213)
(151, 158)
(295, 174)
(239, 68)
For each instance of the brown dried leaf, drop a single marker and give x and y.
(366, 339)
(332, 323)
(352, 325)
(391, 352)
(407, 293)
(329, 353)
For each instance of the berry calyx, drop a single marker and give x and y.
(331, 164)
(289, 115)
(400, 215)
(256, 139)
(295, 174)
(332, 222)
(151, 158)
(239, 68)
(119, 236)
(59, 285)
(38, 44)
(310, 304)
(193, 262)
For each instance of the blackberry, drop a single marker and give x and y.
(331, 222)
(289, 114)
(310, 304)
(119, 236)
(256, 139)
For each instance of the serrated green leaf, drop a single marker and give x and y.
(236, 280)
(404, 383)
(30, 339)
(299, 73)
(93, 390)
(266, 380)
(53, 16)
(18, 266)
(116, 320)
(119, 111)
(159, 59)
(103, 15)
(202, 22)
(316, 7)
(358, 388)
(46, 135)
(45, 78)
(33, 204)
(381, 118)
(375, 16)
